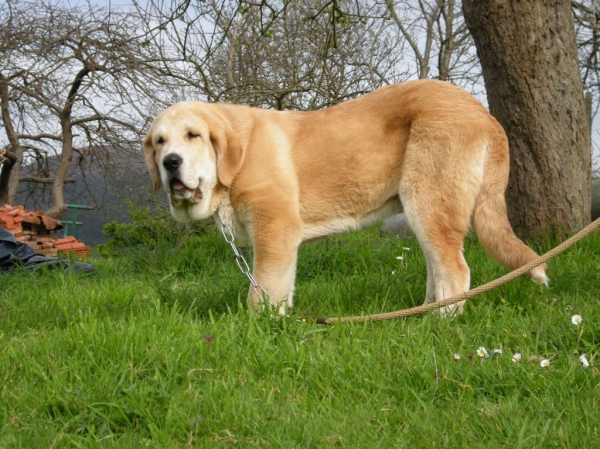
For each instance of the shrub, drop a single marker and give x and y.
(149, 227)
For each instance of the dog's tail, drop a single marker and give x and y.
(490, 218)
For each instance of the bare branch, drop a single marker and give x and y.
(44, 180)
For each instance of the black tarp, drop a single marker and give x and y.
(14, 254)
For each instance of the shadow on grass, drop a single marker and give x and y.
(198, 299)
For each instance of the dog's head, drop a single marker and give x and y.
(190, 149)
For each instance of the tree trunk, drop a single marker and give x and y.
(528, 54)
(7, 162)
(9, 184)
(66, 124)
(58, 196)
(66, 156)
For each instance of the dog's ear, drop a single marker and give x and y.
(230, 153)
(149, 155)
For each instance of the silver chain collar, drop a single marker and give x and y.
(241, 262)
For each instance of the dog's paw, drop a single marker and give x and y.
(283, 309)
(538, 275)
(453, 309)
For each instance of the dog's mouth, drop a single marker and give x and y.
(179, 191)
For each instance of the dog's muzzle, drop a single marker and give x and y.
(178, 190)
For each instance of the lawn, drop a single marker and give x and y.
(155, 349)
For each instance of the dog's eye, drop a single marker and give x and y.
(192, 135)
(160, 141)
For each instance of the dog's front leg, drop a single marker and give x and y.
(276, 245)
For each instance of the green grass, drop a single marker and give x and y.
(154, 349)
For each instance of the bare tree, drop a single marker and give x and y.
(438, 38)
(587, 26)
(283, 55)
(72, 80)
(303, 64)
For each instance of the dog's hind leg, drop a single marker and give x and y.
(447, 271)
(430, 293)
(442, 245)
(440, 219)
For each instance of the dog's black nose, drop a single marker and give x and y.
(172, 161)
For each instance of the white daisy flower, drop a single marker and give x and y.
(584, 361)
(545, 363)
(482, 352)
(497, 352)
(516, 357)
(456, 356)
(576, 320)
(400, 258)
(405, 248)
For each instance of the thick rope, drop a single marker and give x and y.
(469, 294)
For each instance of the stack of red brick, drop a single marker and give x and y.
(39, 231)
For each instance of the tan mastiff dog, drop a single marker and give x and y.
(283, 178)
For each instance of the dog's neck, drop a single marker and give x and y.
(237, 220)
